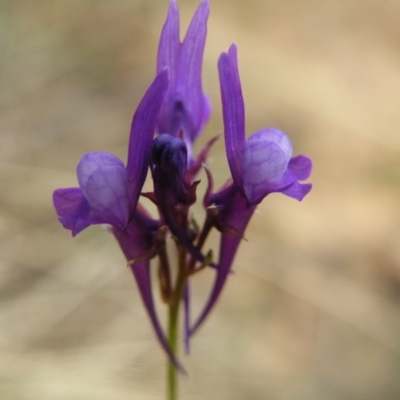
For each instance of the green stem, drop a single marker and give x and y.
(172, 378)
(173, 319)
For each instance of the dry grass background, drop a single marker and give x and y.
(313, 309)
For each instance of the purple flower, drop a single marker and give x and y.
(262, 164)
(102, 197)
(185, 109)
(259, 166)
(108, 193)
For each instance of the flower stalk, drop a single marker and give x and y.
(173, 323)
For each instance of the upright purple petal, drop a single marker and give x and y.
(142, 132)
(168, 49)
(233, 112)
(193, 47)
(191, 68)
(186, 109)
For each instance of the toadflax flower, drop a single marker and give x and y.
(108, 193)
(186, 109)
(259, 166)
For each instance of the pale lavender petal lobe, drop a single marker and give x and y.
(91, 162)
(104, 182)
(265, 160)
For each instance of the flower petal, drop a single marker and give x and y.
(193, 47)
(91, 162)
(190, 70)
(233, 112)
(298, 190)
(185, 109)
(103, 179)
(72, 208)
(265, 160)
(142, 132)
(169, 46)
(301, 167)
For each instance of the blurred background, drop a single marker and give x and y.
(313, 310)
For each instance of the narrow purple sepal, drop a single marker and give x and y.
(235, 214)
(233, 112)
(201, 158)
(141, 136)
(136, 242)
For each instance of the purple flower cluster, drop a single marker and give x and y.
(176, 107)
